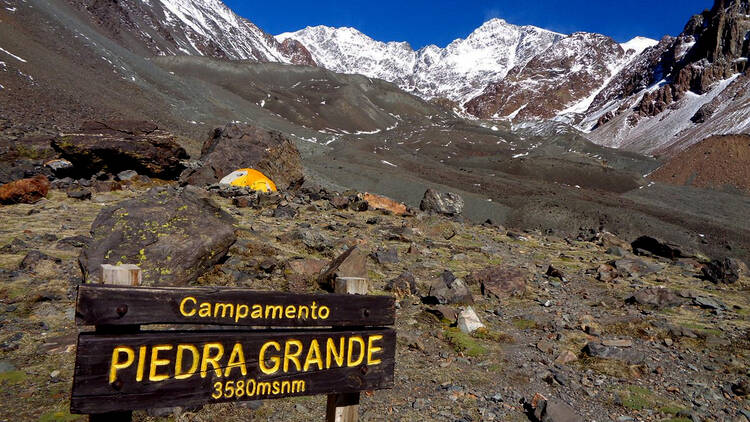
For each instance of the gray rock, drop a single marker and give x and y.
(127, 175)
(655, 296)
(454, 292)
(387, 256)
(446, 203)
(554, 410)
(635, 267)
(598, 350)
(708, 303)
(80, 194)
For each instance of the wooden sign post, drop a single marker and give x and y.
(342, 350)
(345, 407)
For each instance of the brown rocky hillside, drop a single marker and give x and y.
(717, 162)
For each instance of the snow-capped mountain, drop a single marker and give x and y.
(562, 79)
(190, 27)
(681, 91)
(458, 72)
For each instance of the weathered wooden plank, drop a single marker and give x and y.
(121, 275)
(114, 305)
(187, 368)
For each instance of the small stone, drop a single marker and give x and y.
(127, 175)
(566, 357)
(468, 320)
(555, 273)
(55, 373)
(81, 194)
(618, 343)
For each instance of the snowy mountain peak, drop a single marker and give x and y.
(639, 44)
(458, 72)
(190, 27)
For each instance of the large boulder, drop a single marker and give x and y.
(174, 235)
(722, 271)
(237, 146)
(24, 191)
(119, 145)
(446, 203)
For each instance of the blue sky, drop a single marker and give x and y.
(422, 22)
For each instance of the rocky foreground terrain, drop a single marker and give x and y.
(588, 328)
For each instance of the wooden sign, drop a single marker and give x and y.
(119, 369)
(110, 305)
(171, 368)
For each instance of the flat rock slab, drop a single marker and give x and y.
(119, 145)
(630, 356)
(500, 281)
(655, 296)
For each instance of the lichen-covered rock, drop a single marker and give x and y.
(237, 146)
(24, 191)
(174, 235)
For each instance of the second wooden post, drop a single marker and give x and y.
(345, 407)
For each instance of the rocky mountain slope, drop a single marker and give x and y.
(562, 78)
(189, 27)
(681, 91)
(457, 72)
(601, 333)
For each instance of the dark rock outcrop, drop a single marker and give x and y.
(24, 191)
(722, 271)
(238, 146)
(296, 52)
(119, 145)
(657, 247)
(174, 235)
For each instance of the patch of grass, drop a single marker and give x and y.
(59, 416)
(12, 377)
(524, 324)
(610, 367)
(637, 398)
(496, 336)
(464, 343)
(671, 409)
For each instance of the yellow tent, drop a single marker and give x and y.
(250, 178)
